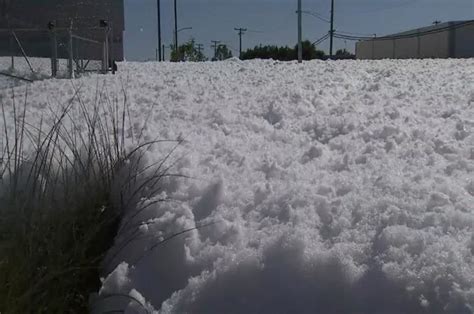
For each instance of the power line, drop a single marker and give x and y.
(318, 16)
(355, 34)
(353, 38)
(320, 40)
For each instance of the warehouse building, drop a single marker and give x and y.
(444, 40)
(29, 20)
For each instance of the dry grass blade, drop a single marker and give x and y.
(58, 218)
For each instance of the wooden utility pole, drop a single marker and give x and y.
(199, 48)
(158, 8)
(241, 32)
(331, 31)
(300, 35)
(215, 44)
(176, 47)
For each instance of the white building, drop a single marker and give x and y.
(445, 40)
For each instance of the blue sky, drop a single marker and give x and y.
(274, 21)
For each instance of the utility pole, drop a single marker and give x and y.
(215, 45)
(331, 31)
(241, 32)
(176, 47)
(158, 7)
(199, 48)
(300, 35)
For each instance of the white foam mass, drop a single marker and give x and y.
(329, 187)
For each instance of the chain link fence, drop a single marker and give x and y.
(30, 54)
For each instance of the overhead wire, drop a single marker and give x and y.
(354, 34)
(320, 40)
(318, 16)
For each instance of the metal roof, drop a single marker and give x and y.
(431, 28)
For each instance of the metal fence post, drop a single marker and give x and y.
(12, 53)
(104, 52)
(111, 47)
(107, 58)
(71, 56)
(54, 54)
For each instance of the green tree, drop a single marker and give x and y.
(344, 54)
(187, 52)
(222, 53)
(310, 52)
(283, 53)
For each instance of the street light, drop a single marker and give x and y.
(184, 28)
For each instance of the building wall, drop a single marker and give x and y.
(84, 15)
(451, 43)
(363, 50)
(406, 48)
(382, 49)
(464, 47)
(435, 45)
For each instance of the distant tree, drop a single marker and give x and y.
(310, 52)
(344, 54)
(283, 53)
(222, 53)
(187, 52)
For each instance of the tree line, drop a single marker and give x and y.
(190, 52)
(286, 53)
